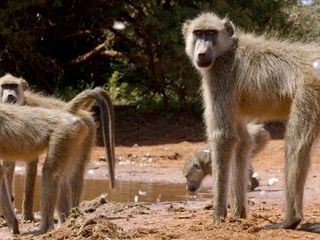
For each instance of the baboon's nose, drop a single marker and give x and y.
(202, 57)
(191, 188)
(11, 99)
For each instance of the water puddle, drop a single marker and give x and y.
(124, 192)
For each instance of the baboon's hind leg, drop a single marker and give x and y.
(29, 184)
(58, 164)
(77, 178)
(64, 200)
(302, 129)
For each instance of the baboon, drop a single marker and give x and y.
(198, 166)
(68, 134)
(12, 90)
(245, 77)
(15, 90)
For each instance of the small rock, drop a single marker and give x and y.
(272, 181)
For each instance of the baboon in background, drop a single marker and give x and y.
(198, 166)
(68, 133)
(247, 77)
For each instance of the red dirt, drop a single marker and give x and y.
(102, 219)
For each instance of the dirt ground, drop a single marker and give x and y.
(156, 157)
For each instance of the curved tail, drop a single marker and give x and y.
(85, 99)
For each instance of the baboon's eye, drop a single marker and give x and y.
(9, 85)
(198, 33)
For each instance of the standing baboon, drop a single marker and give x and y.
(247, 77)
(198, 166)
(68, 133)
(14, 90)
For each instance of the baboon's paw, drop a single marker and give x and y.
(309, 227)
(15, 230)
(287, 224)
(44, 228)
(217, 219)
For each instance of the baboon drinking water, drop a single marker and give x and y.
(245, 77)
(198, 166)
(69, 134)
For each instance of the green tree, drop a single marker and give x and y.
(71, 45)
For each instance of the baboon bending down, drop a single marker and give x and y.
(198, 166)
(15, 90)
(68, 135)
(247, 77)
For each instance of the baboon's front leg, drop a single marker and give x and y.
(239, 174)
(222, 139)
(222, 150)
(9, 167)
(6, 205)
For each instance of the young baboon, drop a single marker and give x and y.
(198, 166)
(247, 77)
(68, 134)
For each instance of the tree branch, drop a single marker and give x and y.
(101, 50)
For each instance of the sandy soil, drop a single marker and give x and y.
(157, 162)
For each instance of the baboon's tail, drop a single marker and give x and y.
(85, 98)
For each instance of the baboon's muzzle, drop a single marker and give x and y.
(11, 99)
(192, 187)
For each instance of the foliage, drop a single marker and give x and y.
(304, 22)
(66, 46)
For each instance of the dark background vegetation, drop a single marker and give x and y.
(62, 47)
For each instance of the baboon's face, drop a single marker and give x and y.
(12, 89)
(207, 37)
(9, 93)
(194, 173)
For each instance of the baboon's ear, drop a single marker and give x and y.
(185, 27)
(25, 84)
(229, 27)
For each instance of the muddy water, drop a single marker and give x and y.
(125, 192)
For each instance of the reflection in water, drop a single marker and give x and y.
(124, 192)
